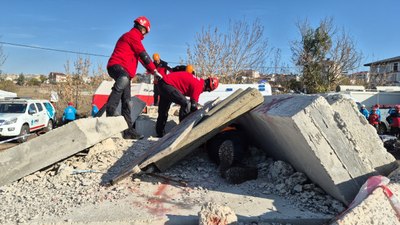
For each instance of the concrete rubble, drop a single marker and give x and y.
(56, 145)
(324, 139)
(311, 157)
(213, 214)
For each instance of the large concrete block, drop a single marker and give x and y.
(56, 145)
(362, 136)
(306, 131)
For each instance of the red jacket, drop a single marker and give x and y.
(373, 119)
(127, 50)
(188, 84)
(395, 119)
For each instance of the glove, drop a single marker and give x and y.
(193, 106)
(157, 75)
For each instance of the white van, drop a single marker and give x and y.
(224, 90)
(19, 117)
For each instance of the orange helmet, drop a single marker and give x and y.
(144, 22)
(213, 81)
(156, 57)
(189, 68)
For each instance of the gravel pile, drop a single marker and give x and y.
(79, 180)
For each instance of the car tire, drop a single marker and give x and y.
(50, 126)
(24, 131)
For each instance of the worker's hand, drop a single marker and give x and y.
(157, 75)
(193, 105)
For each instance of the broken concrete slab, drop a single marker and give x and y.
(351, 122)
(163, 145)
(56, 145)
(306, 131)
(224, 113)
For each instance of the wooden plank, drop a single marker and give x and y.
(171, 139)
(56, 145)
(233, 108)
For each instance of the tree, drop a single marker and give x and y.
(72, 89)
(21, 79)
(33, 82)
(324, 55)
(42, 78)
(227, 55)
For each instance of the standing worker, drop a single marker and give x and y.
(122, 67)
(69, 113)
(374, 119)
(95, 110)
(173, 88)
(164, 69)
(377, 111)
(394, 119)
(364, 111)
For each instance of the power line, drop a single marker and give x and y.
(52, 49)
(99, 55)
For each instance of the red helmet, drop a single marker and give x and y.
(377, 106)
(143, 21)
(397, 107)
(213, 81)
(70, 103)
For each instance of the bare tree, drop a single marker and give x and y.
(324, 55)
(276, 61)
(227, 55)
(72, 89)
(99, 75)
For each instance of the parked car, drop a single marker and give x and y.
(19, 117)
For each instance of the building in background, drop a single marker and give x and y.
(384, 72)
(55, 77)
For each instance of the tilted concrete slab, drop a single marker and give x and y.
(56, 145)
(224, 113)
(164, 145)
(306, 131)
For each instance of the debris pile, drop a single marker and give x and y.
(77, 182)
(212, 213)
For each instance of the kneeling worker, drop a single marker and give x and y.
(173, 88)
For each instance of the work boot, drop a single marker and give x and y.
(132, 134)
(226, 156)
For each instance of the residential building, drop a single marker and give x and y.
(55, 77)
(385, 72)
(361, 77)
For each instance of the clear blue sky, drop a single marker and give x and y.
(93, 26)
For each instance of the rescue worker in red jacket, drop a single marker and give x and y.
(164, 69)
(374, 118)
(122, 67)
(173, 88)
(395, 121)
